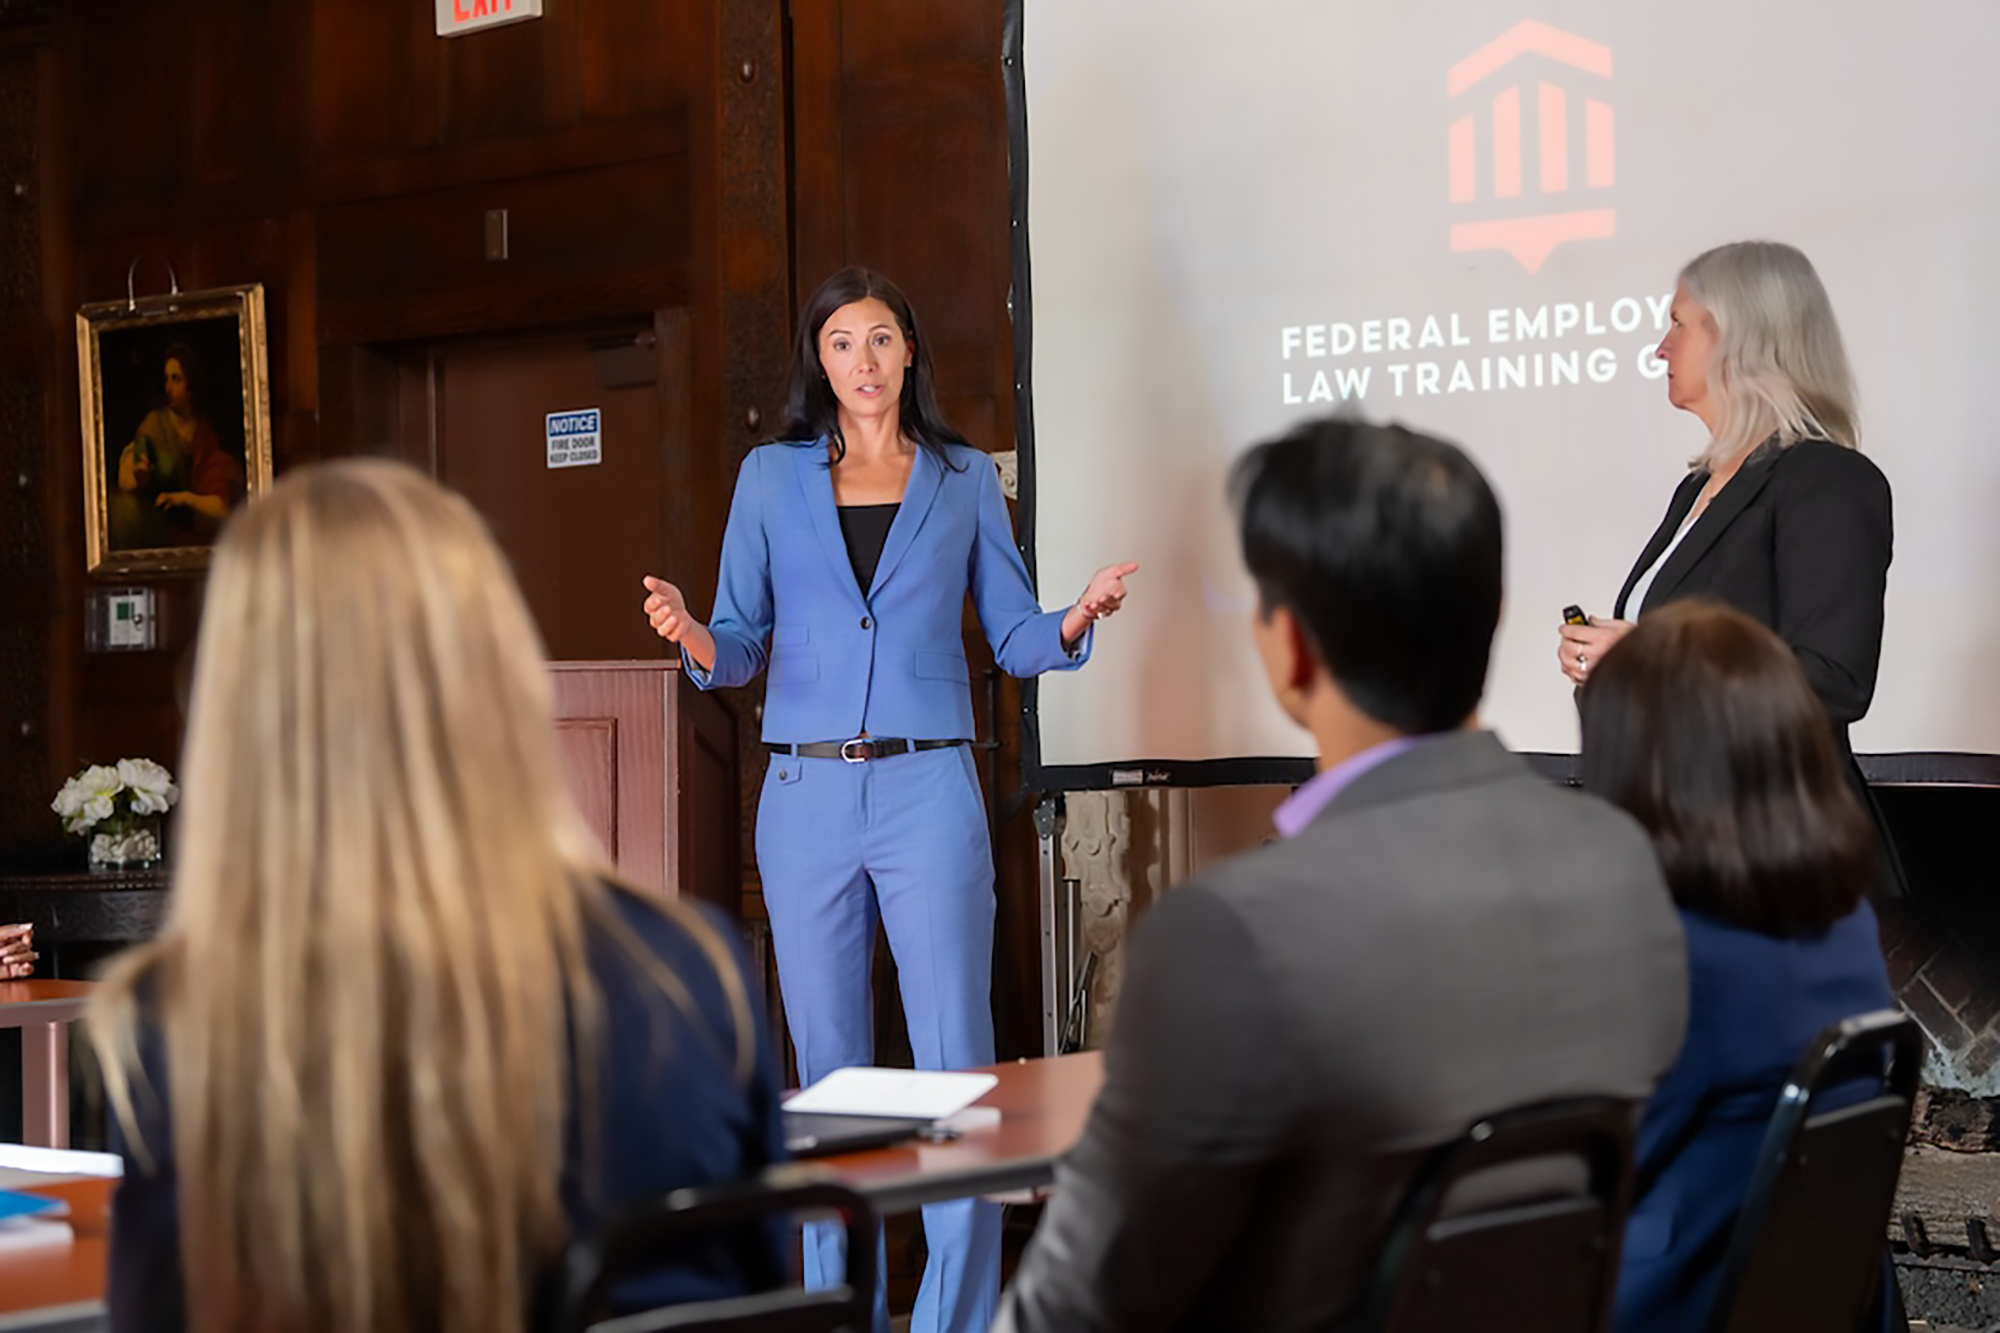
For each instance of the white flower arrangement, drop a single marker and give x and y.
(114, 807)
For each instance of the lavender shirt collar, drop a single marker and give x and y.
(1303, 805)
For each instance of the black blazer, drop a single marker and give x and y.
(1800, 540)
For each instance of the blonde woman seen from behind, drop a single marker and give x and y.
(401, 1037)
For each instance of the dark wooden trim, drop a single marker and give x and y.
(596, 145)
(471, 310)
(27, 531)
(755, 240)
(26, 23)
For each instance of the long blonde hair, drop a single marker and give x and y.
(1780, 365)
(372, 988)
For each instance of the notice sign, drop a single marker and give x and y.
(574, 439)
(462, 16)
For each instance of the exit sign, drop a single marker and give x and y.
(456, 17)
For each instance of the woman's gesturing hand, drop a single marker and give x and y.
(1103, 597)
(667, 612)
(667, 609)
(1106, 592)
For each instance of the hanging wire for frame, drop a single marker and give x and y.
(132, 272)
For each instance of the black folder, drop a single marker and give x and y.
(818, 1134)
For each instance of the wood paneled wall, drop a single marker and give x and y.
(38, 493)
(900, 163)
(902, 166)
(345, 157)
(704, 162)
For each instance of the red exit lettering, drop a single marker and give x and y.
(464, 11)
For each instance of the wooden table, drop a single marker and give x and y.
(40, 1009)
(1043, 1105)
(60, 1285)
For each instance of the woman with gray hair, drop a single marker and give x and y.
(1780, 516)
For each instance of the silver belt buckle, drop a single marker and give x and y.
(861, 755)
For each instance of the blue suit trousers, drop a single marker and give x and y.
(900, 841)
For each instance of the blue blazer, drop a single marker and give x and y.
(889, 659)
(1754, 1004)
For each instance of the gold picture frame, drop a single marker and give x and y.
(176, 424)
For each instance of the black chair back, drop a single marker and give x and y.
(1809, 1244)
(1546, 1260)
(646, 1236)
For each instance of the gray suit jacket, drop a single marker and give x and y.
(1450, 937)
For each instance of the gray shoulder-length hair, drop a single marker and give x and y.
(1780, 366)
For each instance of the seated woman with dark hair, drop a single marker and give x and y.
(1701, 725)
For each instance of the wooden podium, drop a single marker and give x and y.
(652, 762)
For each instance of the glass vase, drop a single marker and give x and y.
(135, 846)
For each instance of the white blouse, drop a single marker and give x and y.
(1644, 584)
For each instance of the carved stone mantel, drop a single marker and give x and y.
(1127, 848)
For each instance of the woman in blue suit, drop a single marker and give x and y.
(852, 542)
(1703, 726)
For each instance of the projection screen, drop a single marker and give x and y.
(1467, 216)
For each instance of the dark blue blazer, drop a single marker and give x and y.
(670, 1113)
(1755, 1002)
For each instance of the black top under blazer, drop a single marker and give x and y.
(1799, 540)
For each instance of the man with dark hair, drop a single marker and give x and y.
(1438, 934)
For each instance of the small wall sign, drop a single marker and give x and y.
(574, 438)
(455, 18)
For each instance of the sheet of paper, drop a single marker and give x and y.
(33, 1233)
(23, 1167)
(912, 1093)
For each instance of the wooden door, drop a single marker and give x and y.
(579, 537)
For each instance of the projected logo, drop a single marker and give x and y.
(1510, 217)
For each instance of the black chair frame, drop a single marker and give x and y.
(1503, 1266)
(1775, 1269)
(640, 1236)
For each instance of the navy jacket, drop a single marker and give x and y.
(1755, 1002)
(670, 1114)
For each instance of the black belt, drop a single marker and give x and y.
(859, 749)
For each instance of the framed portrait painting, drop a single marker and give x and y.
(176, 424)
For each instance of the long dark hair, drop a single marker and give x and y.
(1701, 726)
(812, 411)
(190, 371)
